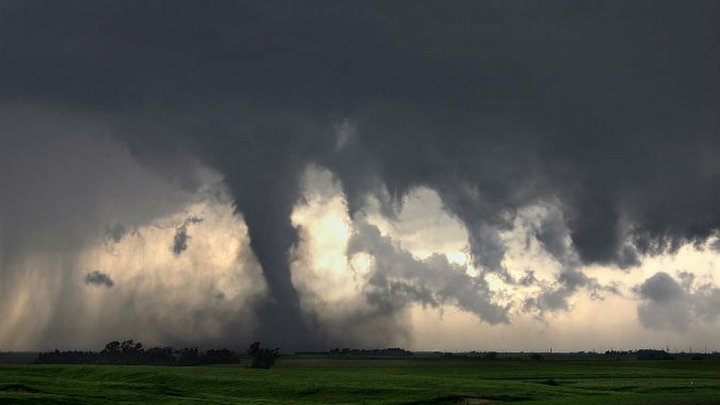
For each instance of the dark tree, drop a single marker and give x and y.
(490, 356)
(112, 352)
(219, 356)
(130, 347)
(160, 355)
(112, 347)
(262, 358)
(188, 356)
(132, 352)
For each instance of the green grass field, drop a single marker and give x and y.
(382, 381)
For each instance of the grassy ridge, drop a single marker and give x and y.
(337, 381)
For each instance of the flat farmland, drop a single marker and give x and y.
(300, 380)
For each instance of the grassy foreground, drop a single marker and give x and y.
(382, 381)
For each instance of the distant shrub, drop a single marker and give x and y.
(390, 351)
(188, 356)
(219, 356)
(652, 354)
(550, 381)
(262, 358)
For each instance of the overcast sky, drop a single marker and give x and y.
(466, 175)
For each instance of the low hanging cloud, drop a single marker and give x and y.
(99, 278)
(667, 304)
(661, 288)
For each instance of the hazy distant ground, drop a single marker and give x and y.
(17, 357)
(385, 381)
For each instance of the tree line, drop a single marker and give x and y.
(132, 352)
(390, 351)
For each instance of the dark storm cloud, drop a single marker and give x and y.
(609, 108)
(99, 278)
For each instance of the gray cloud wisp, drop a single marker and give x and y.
(99, 278)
